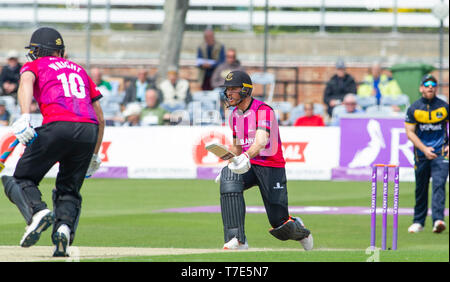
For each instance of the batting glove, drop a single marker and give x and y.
(94, 165)
(240, 164)
(23, 130)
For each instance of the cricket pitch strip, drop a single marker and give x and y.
(44, 253)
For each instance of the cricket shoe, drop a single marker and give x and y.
(415, 228)
(61, 240)
(234, 244)
(308, 241)
(439, 226)
(39, 223)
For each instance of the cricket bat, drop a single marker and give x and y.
(220, 151)
(7, 153)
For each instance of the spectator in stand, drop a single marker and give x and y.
(175, 91)
(135, 92)
(5, 116)
(35, 114)
(309, 119)
(350, 106)
(132, 114)
(231, 64)
(153, 114)
(34, 107)
(337, 87)
(378, 84)
(210, 54)
(102, 85)
(109, 103)
(9, 77)
(395, 108)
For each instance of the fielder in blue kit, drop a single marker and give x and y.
(426, 126)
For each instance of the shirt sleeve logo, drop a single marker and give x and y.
(265, 123)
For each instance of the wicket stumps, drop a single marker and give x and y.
(373, 209)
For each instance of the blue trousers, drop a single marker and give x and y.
(437, 170)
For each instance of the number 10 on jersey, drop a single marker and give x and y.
(72, 85)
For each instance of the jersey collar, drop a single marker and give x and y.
(249, 105)
(428, 101)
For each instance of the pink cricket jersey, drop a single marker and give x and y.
(63, 90)
(258, 116)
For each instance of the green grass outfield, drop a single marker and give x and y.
(125, 213)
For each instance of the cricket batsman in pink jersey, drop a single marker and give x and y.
(71, 134)
(259, 161)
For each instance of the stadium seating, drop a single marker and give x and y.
(282, 108)
(265, 79)
(299, 111)
(10, 103)
(205, 108)
(365, 102)
(400, 100)
(11, 107)
(381, 109)
(443, 97)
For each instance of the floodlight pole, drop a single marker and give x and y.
(88, 37)
(322, 17)
(108, 15)
(441, 54)
(395, 12)
(35, 13)
(440, 11)
(266, 31)
(250, 16)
